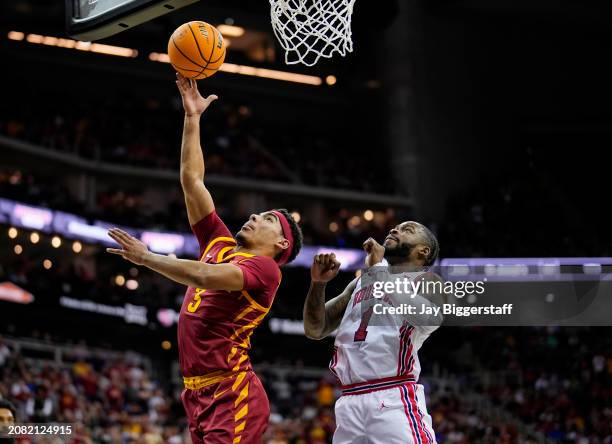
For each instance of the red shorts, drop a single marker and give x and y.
(234, 410)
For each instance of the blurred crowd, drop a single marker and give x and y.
(131, 206)
(111, 400)
(521, 386)
(237, 141)
(558, 380)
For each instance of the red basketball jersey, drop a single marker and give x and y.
(215, 326)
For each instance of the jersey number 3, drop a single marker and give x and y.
(362, 331)
(197, 300)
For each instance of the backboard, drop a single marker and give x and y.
(90, 20)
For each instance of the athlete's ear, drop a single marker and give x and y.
(424, 251)
(283, 243)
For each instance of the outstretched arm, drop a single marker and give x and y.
(187, 272)
(321, 318)
(197, 198)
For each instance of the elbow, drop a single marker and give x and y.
(198, 278)
(189, 178)
(314, 333)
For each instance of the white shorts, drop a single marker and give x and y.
(391, 416)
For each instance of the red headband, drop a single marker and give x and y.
(288, 235)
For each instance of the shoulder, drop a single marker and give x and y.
(427, 276)
(259, 261)
(261, 269)
(211, 226)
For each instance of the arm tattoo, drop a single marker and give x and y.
(334, 310)
(320, 318)
(314, 310)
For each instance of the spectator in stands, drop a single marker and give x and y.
(8, 416)
(40, 407)
(8, 413)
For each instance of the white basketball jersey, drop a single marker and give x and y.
(366, 352)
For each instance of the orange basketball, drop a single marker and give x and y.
(196, 50)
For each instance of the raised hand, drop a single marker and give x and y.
(324, 268)
(193, 102)
(131, 249)
(375, 252)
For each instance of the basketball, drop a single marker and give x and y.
(196, 50)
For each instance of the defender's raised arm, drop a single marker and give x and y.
(320, 317)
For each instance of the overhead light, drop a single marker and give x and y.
(34, 38)
(56, 241)
(100, 48)
(296, 216)
(368, 215)
(47, 264)
(119, 280)
(131, 284)
(18, 249)
(12, 232)
(354, 221)
(34, 237)
(252, 71)
(159, 57)
(331, 80)
(77, 247)
(16, 35)
(271, 74)
(231, 30)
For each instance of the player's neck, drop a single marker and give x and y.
(255, 251)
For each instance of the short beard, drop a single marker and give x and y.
(239, 238)
(399, 253)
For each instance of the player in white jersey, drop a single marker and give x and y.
(375, 358)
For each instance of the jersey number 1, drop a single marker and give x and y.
(362, 331)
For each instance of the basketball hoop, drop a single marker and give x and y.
(310, 29)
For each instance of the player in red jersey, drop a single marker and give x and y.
(230, 290)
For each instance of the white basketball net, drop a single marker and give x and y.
(310, 29)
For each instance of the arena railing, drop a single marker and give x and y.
(32, 350)
(261, 186)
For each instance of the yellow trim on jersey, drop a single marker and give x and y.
(238, 380)
(253, 302)
(244, 410)
(214, 241)
(223, 251)
(231, 354)
(239, 428)
(198, 382)
(241, 359)
(249, 326)
(243, 313)
(239, 253)
(242, 413)
(246, 343)
(243, 394)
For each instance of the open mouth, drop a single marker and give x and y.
(247, 226)
(390, 237)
